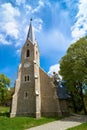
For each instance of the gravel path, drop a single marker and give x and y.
(62, 124)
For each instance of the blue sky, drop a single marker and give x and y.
(57, 24)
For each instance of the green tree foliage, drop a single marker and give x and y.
(4, 92)
(73, 68)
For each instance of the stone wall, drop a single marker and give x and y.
(49, 100)
(64, 107)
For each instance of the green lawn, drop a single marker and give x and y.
(80, 127)
(20, 123)
(4, 109)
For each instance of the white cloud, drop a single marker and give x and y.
(28, 9)
(40, 4)
(18, 43)
(80, 27)
(54, 68)
(38, 23)
(19, 2)
(7, 8)
(11, 29)
(8, 22)
(3, 40)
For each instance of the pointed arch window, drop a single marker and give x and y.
(28, 53)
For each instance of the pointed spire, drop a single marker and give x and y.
(30, 35)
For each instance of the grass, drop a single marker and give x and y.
(80, 127)
(4, 109)
(20, 123)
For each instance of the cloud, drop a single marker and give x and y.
(19, 2)
(11, 29)
(38, 23)
(8, 23)
(79, 29)
(11, 17)
(3, 40)
(54, 68)
(28, 9)
(7, 8)
(40, 4)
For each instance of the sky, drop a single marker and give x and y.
(57, 24)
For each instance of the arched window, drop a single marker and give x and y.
(26, 94)
(28, 53)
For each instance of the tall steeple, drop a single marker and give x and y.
(30, 35)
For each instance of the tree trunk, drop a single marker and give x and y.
(74, 103)
(83, 104)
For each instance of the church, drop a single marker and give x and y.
(35, 93)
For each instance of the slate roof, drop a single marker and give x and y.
(61, 91)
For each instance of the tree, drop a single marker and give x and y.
(73, 68)
(4, 84)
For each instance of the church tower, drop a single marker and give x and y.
(35, 94)
(27, 99)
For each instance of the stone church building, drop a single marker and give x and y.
(35, 94)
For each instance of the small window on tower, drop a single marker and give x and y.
(25, 95)
(28, 53)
